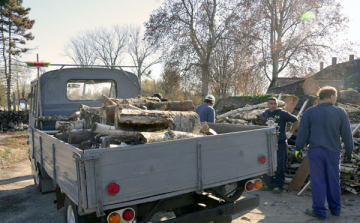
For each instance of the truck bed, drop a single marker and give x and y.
(155, 171)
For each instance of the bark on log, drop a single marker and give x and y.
(74, 124)
(169, 106)
(246, 108)
(101, 128)
(144, 120)
(86, 112)
(151, 137)
(53, 118)
(349, 96)
(76, 137)
(344, 169)
(106, 100)
(135, 100)
(122, 135)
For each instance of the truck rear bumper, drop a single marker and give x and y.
(220, 212)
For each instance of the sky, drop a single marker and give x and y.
(57, 21)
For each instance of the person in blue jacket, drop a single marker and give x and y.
(321, 127)
(206, 110)
(275, 116)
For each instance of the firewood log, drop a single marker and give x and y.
(246, 108)
(168, 106)
(151, 137)
(74, 124)
(101, 128)
(76, 137)
(106, 100)
(141, 120)
(122, 135)
(53, 118)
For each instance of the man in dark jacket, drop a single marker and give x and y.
(275, 116)
(206, 110)
(321, 127)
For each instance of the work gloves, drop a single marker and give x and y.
(298, 154)
(348, 157)
(288, 135)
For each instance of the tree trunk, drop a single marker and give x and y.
(205, 80)
(151, 137)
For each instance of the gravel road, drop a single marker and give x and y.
(20, 202)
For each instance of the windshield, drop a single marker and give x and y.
(90, 89)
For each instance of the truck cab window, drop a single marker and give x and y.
(90, 89)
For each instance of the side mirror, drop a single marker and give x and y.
(22, 104)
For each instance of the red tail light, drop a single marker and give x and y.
(249, 186)
(262, 159)
(128, 214)
(113, 188)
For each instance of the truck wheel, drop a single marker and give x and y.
(71, 213)
(38, 180)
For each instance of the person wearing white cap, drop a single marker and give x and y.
(206, 110)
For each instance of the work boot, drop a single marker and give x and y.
(277, 190)
(311, 213)
(335, 213)
(265, 188)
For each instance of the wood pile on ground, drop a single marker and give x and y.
(129, 122)
(14, 120)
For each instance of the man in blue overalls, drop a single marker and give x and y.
(321, 127)
(275, 116)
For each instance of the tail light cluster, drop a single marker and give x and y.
(252, 185)
(121, 216)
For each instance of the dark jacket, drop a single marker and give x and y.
(321, 127)
(279, 117)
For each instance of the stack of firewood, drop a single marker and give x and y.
(128, 122)
(14, 120)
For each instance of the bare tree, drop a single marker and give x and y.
(80, 50)
(192, 27)
(296, 33)
(105, 46)
(109, 45)
(143, 54)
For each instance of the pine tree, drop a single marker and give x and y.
(14, 25)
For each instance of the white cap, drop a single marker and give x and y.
(210, 98)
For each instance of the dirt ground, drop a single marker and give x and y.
(20, 202)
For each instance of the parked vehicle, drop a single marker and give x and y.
(199, 179)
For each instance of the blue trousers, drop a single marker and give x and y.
(325, 180)
(279, 178)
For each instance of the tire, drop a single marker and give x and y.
(71, 213)
(38, 180)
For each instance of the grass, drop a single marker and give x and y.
(13, 149)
